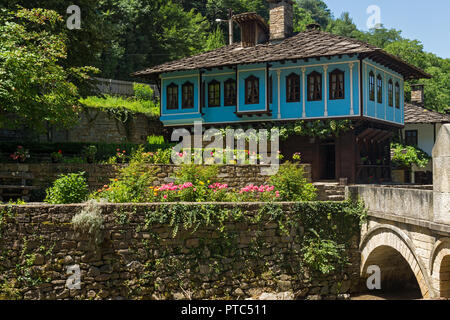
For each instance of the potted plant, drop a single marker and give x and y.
(21, 154)
(57, 156)
(297, 157)
(403, 158)
(90, 152)
(121, 156)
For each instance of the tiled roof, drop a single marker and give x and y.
(305, 45)
(416, 114)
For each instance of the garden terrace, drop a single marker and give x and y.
(98, 175)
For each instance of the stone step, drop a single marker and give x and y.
(336, 198)
(337, 191)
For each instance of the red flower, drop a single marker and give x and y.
(60, 151)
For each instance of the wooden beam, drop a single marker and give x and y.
(388, 136)
(364, 134)
(371, 135)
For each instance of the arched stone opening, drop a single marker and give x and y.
(397, 277)
(444, 277)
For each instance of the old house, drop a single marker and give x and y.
(274, 75)
(421, 129)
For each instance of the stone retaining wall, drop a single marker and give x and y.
(94, 125)
(136, 259)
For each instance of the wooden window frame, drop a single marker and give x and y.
(216, 94)
(254, 82)
(333, 93)
(176, 105)
(293, 88)
(390, 93)
(227, 100)
(189, 86)
(316, 94)
(397, 95)
(379, 88)
(371, 86)
(416, 142)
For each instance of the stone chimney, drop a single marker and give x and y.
(417, 94)
(281, 19)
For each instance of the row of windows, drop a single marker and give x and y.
(337, 85)
(380, 90)
(187, 89)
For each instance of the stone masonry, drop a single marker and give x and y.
(408, 230)
(281, 19)
(38, 244)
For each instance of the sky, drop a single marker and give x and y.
(427, 21)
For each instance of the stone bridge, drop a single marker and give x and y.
(408, 230)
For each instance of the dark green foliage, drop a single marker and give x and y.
(325, 229)
(75, 150)
(290, 181)
(196, 174)
(71, 188)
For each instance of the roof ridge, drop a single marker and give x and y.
(304, 45)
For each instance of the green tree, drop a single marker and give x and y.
(215, 40)
(437, 89)
(35, 87)
(150, 32)
(84, 45)
(302, 18)
(318, 10)
(344, 26)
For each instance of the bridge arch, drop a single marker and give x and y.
(440, 266)
(390, 248)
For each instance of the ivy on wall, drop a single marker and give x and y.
(188, 246)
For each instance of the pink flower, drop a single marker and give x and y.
(165, 196)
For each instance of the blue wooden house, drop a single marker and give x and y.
(273, 75)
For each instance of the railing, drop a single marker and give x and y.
(395, 201)
(119, 87)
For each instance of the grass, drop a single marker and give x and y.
(132, 104)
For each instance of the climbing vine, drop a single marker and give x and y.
(319, 128)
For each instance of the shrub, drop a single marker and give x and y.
(262, 193)
(21, 154)
(71, 188)
(291, 183)
(132, 183)
(322, 255)
(143, 92)
(196, 174)
(155, 140)
(73, 160)
(90, 220)
(90, 153)
(161, 156)
(406, 156)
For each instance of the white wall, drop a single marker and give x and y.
(425, 135)
(425, 141)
